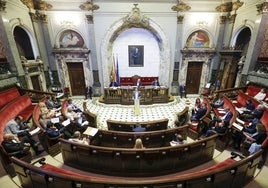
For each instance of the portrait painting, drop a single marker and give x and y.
(198, 39)
(135, 55)
(71, 39)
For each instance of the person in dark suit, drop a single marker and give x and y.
(155, 82)
(199, 113)
(12, 144)
(88, 92)
(183, 90)
(113, 84)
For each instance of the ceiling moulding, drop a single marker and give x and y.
(181, 7)
(89, 6)
(37, 5)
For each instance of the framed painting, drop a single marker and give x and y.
(198, 39)
(135, 55)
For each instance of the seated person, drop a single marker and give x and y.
(197, 105)
(139, 128)
(51, 104)
(220, 124)
(138, 144)
(12, 144)
(52, 131)
(249, 105)
(199, 113)
(155, 83)
(257, 113)
(261, 95)
(179, 140)
(77, 118)
(251, 127)
(50, 113)
(77, 138)
(218, 103)
(258, 137)
(73, 106)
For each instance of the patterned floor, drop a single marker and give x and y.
(126, 112)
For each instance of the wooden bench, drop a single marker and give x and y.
(137, 162)
(154, 125)
(106, 138)
(231, 173)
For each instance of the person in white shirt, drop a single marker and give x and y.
(261, 95)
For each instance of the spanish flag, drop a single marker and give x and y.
(113, 72)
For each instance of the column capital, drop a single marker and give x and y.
(89, 19)
(223, 19)
(180, 19)
(2, 5)
(89, 6)
(38, 16)
(232, 18)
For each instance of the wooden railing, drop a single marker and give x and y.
(228, 173)
(137, 162)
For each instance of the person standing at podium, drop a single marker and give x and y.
(136, 96)
(138, 83)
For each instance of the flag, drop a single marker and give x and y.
(117, 72)
(113, 72)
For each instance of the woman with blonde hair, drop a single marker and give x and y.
(138, 144)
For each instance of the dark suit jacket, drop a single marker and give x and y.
(228, 117)
(199, 113)
(11, 146)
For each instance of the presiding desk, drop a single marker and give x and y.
(124, 95)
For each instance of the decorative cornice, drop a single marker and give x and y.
(136, 18)
(42, 5)
(237, 5)
(2, 5)
(225, 7)
(89, 19)
(89, 6)
(262, 8)
(38, 5)
(181, 7)
(28, 3)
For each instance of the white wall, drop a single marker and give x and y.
(137, 36)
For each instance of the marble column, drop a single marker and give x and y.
(92, 47)
(177, 58)
(219, 44)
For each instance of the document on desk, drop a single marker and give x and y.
(90, 131)
(55, 120)
(237, 126)
(66, 122)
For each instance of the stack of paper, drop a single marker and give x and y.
(237, 126)
(90, 131)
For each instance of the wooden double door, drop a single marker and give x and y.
(77, 78)
(194, 72)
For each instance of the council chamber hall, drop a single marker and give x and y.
(133, 93)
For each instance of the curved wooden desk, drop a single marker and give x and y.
(124, 95)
